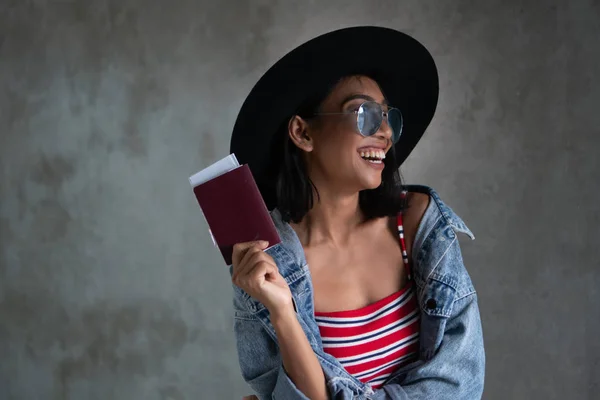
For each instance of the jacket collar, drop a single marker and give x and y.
(290, 256)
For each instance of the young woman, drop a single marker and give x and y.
(366, 296)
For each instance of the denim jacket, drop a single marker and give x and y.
(451, 361)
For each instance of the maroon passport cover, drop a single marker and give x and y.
(235, 210)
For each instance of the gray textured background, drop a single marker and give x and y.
(109, 286)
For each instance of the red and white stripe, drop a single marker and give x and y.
(374, 341)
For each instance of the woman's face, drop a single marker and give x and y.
(333, 144)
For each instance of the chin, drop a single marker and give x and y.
(368, 179)
(371, 184)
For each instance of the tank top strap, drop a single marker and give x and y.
(400, 224)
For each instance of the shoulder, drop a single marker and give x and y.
(436, 250)
(433, 212)
(416, 205)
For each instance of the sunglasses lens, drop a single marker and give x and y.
(369, 118)
(395, 123)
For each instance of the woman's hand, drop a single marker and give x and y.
(255, 272)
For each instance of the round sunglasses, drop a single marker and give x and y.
(369, 117)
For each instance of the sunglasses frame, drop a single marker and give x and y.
(384, 114)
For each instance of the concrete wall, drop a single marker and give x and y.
(109, 286)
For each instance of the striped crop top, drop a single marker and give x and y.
(374, 341)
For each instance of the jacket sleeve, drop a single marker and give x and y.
(259, 357)
(456, 370)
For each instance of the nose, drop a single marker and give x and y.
(384, 131)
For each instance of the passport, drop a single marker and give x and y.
(232, 206)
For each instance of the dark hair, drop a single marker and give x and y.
(295, 189)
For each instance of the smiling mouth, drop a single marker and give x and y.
(373, 156)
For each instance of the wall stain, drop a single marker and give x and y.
(257, 27)
(146, 96)
(171, 393)
(53, 171)
(17, 311)
(51, 220)
(97, 140)
(130, 340)
(251, 43)
(6, 235)
(17, 110)
(475, 103)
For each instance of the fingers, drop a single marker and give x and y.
(243, 264)
(251, 257)
(261, 268)
(248, 270)
(256, 266)
(254, 279)
(240, 249)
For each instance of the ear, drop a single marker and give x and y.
(298, 131)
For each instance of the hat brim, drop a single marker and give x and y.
(404, 69)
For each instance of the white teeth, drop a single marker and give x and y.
(375, 154)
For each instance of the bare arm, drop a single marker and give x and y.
(299, 359)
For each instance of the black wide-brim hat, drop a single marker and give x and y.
(402, 67)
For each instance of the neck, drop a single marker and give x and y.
(334, 216)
